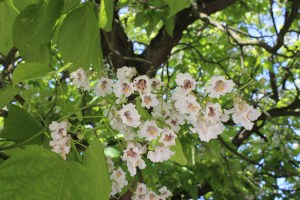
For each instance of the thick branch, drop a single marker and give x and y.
(161, 46)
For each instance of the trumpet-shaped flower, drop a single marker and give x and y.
(218, 86)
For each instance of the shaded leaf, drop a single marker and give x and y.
(30, 71)
(81, 25)
(70, 4)
(33, 30)
(95, 162)
(22, 4)
(176, 6)
(20, 126)
(8, 13)
(36, 173)
(169, 25)
(7, 94)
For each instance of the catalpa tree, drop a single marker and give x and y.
(149, 99)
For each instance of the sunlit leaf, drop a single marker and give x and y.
(106, 14)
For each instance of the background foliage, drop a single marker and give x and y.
(43, 41)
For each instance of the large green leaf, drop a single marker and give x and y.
(106, 14)
(33, 30)
(30, 71)
(179, 156)
(36, 173)
(8, 13)
(22, 4)
(70, 4)
(7, 94)
(95, 162)
(20, 126)
(79, 37)
(176, 6)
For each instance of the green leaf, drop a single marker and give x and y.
(179, 156)
(20, 126)
(95, 162)
(169, 25)
(79, 37)
(7, 94)
(70, 4)
(35, 173)
(22, 4)
(33, 30)
(140, 19)
(106, 14)
(8, 13)
(30, 71)
(141, 110)
(176, 6)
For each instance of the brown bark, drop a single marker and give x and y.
(119, 50)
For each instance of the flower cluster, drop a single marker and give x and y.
(150, 125)
(60, 139)
(142, 192)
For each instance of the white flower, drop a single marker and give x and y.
(123, 87)
(207, 130)
(118, 178)
(133, 152)
(244, 114)
(192, 107)
(59, 130)
(110, 164)
(130, 115)
(162, 110)
(168, 137)
(165, 193)
(118, 174)
(218, 86)
(213, 113)
(178, 94)
(149, 130)
(142, 84)
(187, 105)
(103, 87)
(175, 120)
(140, 192)
(61, 146)
(149, 100)
(151, 196)
(160, 154)
(155, 83)
(80, 79)
(133, 158)
(129, 134)
(132, 166)
(126, 73)
(186, 82)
